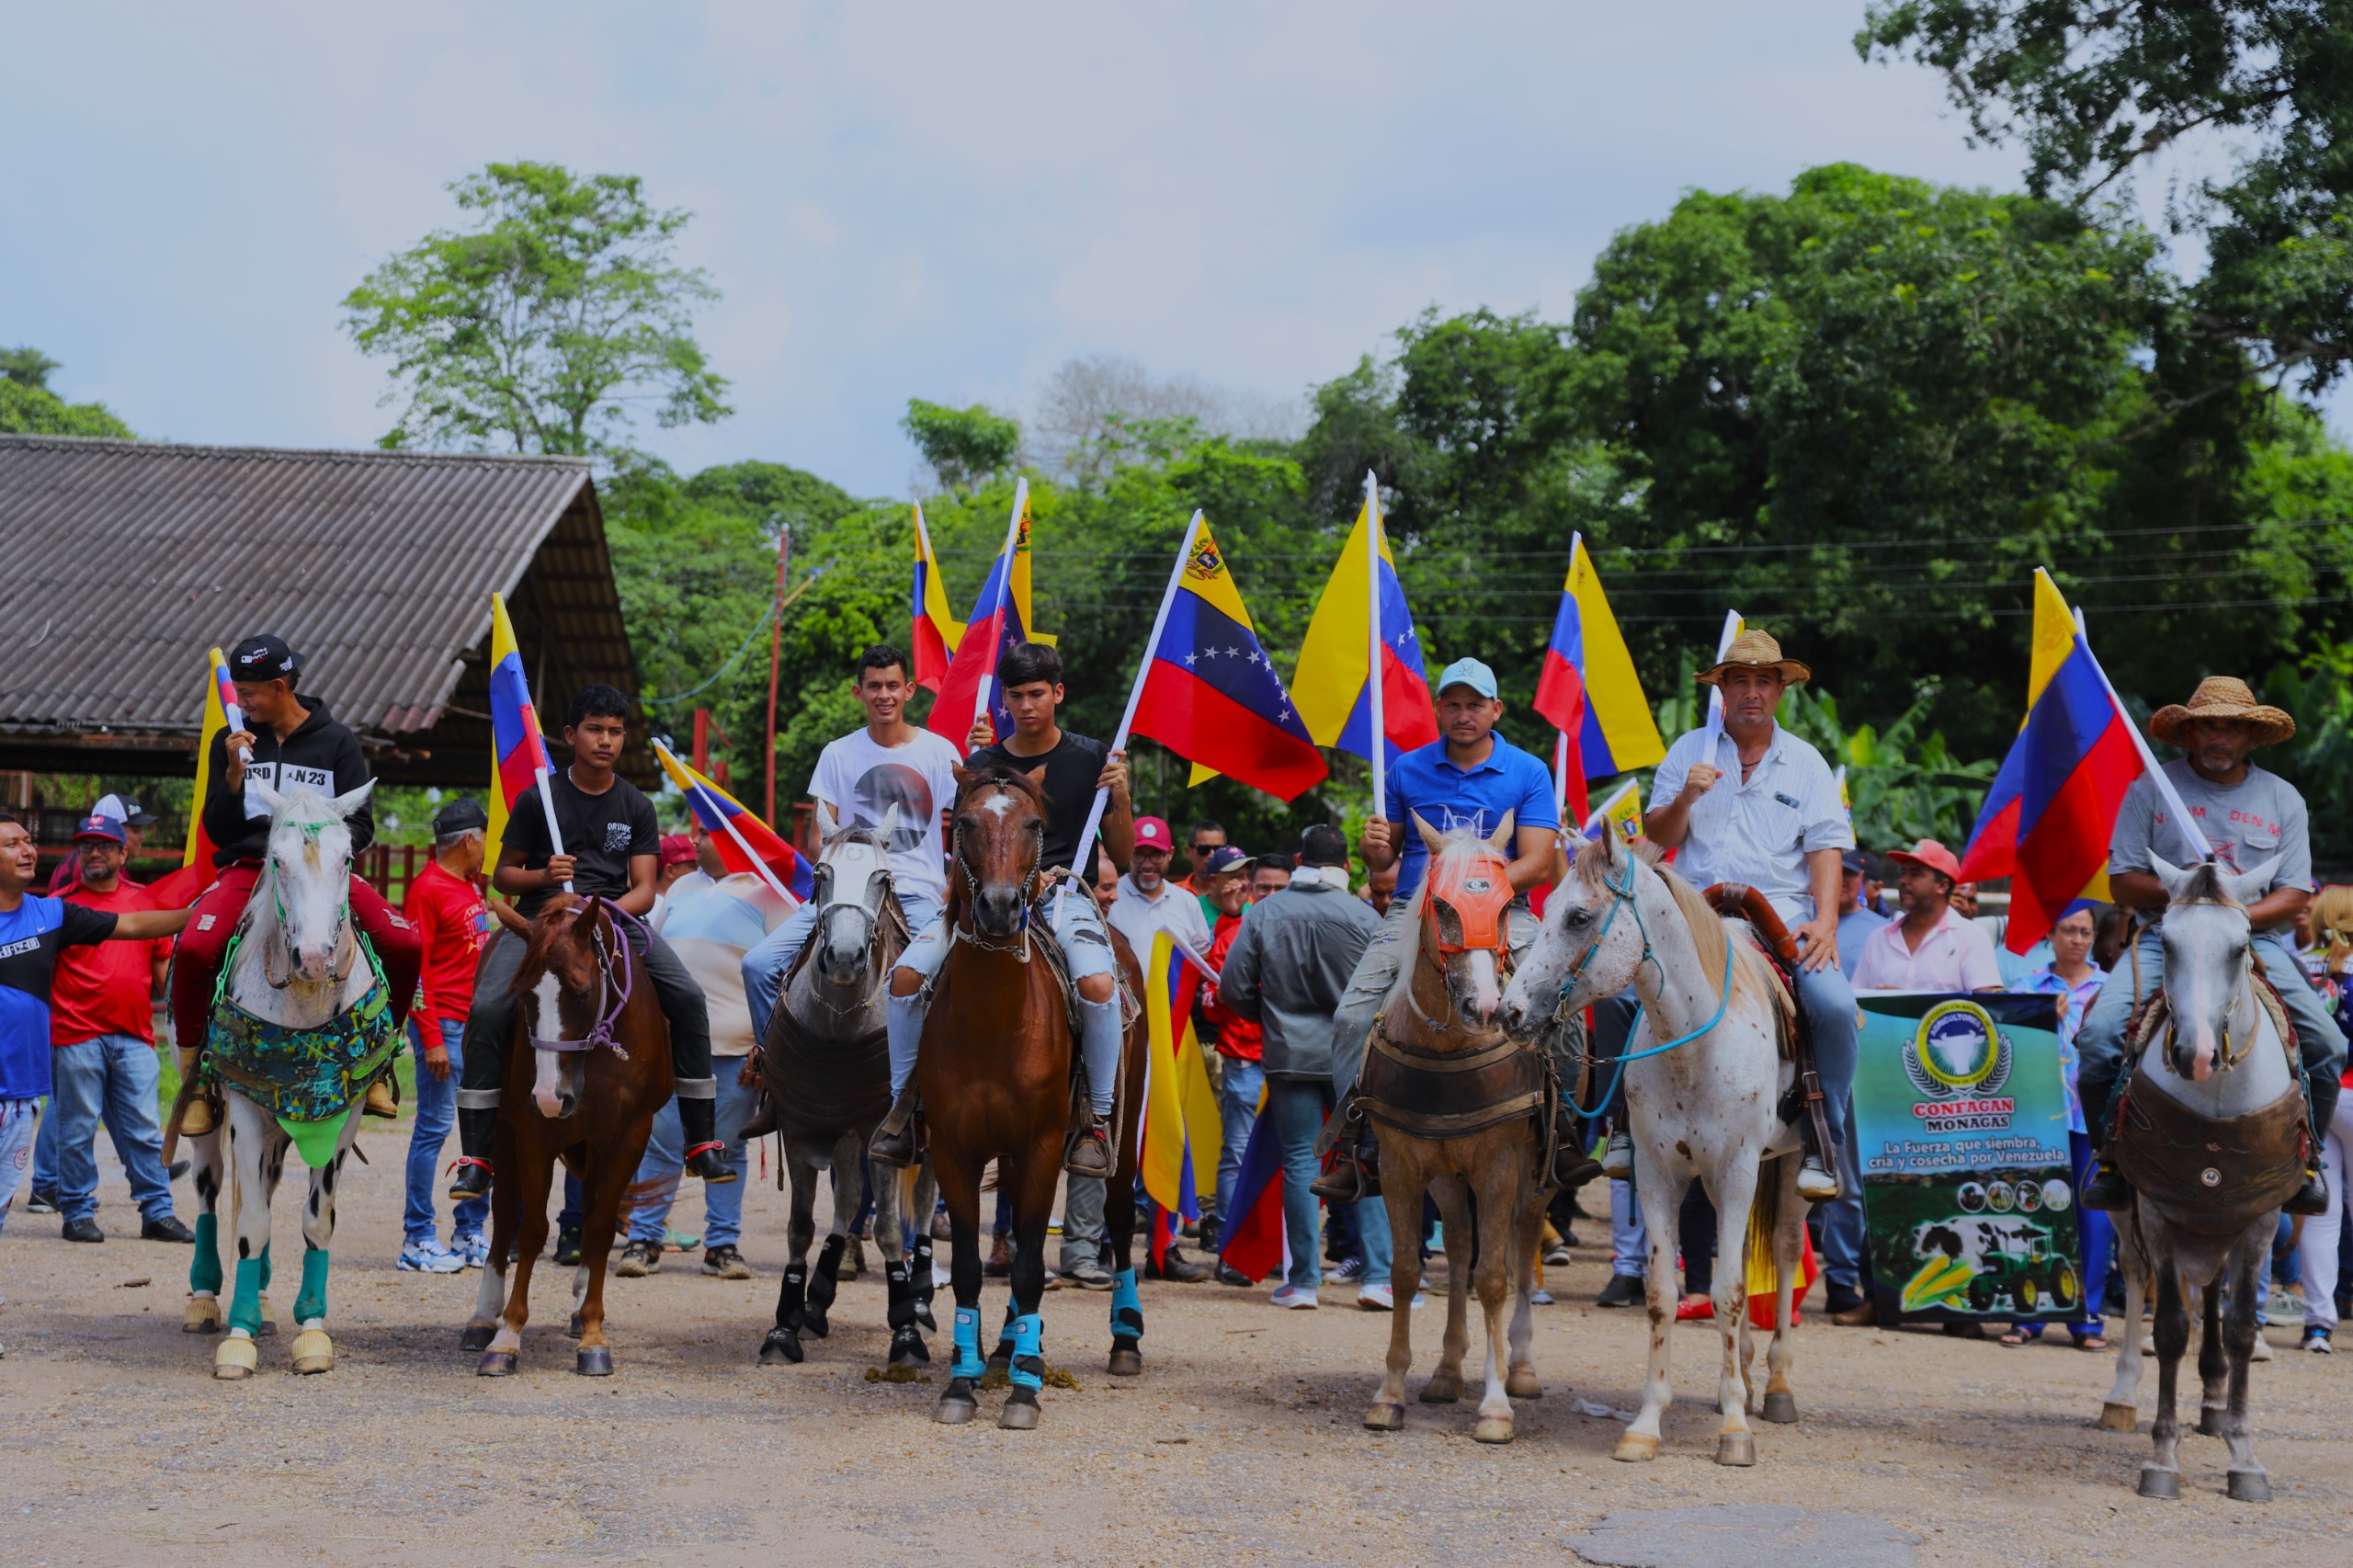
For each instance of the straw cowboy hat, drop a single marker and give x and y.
(2222, 697)
(1756, 650)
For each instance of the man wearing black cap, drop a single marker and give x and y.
(289, 742)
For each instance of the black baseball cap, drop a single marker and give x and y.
(1855, 861)
(266, 657)
(464, 815)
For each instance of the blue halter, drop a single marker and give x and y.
(1622, 897)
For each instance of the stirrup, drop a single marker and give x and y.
(708, 1162)
(1618, 1157)
(2107, 1191)
(461, 1167)
(1825, 1188)
(2310, 1199)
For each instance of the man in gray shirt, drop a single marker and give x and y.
(2248, 816)
(1287, 971)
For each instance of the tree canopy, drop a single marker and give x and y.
(27, 406)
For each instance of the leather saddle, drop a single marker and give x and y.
(1737, 901)
(1450, 1094)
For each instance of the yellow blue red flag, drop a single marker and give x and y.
(934, 631)
(1178, 1167)
(1334, 685)
(744, 843)
(519, 752)
(1589, 689)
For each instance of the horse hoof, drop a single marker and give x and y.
(956, 1405)
(781, 1347)
(1442, 1390)
(496, 1363)
(477, 1336)
(1491, 1429)
(1520, 1384)
(1126, 1362)
(1020, 1412)
(1384, 1417)
(2248, 1486)
(2115, 1417)
(313, 1352)
(907, 1349)
(2160, 1483)
(1735, 1448)
(1634, 1448)
(814, 1324)
(201, 1316)
(1781, 1409)
(571, 1329)
(593, 1362)
(234, 1359)
(2209, 1421)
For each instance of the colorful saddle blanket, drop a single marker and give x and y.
(304, 1074)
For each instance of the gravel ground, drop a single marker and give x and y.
(1241, 1442)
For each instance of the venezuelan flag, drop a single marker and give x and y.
(935, 631)
(1210, 691)
(1589, 689)
(2047, 820)
(1000, 619)
(1251, 1238)
(745, 843)
(1333, 687)
(176, 890)
(519, 751)
(1178, 1167)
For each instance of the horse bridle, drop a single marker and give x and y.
(871, 913)
(342, 924)
(960, 931)
(601, 1033)
(1622, 897)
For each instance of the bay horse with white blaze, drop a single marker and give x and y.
(996, 1076)
(1705, 1099)
(584, 1091)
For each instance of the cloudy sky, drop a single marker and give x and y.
(945, 201)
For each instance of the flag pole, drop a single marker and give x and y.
(1560, 746)
(1012, 535)
(547, 804)
(1135, 691)
(1715, 693)
(1373, 641)
(2189, 827)
(736, 834)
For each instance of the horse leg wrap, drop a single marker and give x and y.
(1003, 1355)
(204, 1268)
(310, 1301)
(968, 1344)
(1029, 1369)
(919, 1268)
(792, 1299)
(1127, 1306)
(245, 1311)
(901, 1313)
(821, 1284)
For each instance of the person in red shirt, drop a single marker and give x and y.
(102, 1040)
(453, 922)
(1225, 875)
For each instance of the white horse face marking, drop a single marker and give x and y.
(2207, 946)
(547, 998)
(854, 873)
(998, 804)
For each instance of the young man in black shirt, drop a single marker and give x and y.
(612, 848)
(1030, 679)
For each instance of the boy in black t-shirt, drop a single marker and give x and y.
(612, 847)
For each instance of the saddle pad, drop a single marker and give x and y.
(820, 1087)
(1449, 1094)
(2208, 1176)
(304, 1074)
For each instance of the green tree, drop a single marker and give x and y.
(963, 446)
(546, 324)
(26, 365)
(28, 407)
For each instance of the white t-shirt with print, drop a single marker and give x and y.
(859, 781)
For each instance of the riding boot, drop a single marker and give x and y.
(2109, 1192)
(477, 1128)
(1571, 1166)
(2311, 1199)
(1355, 1175)
(893, 1143)
(1090, 1152)
(384, 1099)
(196, 1117)
(706, 1155)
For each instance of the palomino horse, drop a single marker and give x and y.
(995, 1073)
(303, 1023)
(585, 1091)
(2212, 1130)
(1456, 1104)
(1704, 1100)
(825, 1075)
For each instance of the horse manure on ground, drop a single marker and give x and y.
(896, 1375)
(1054, 1378)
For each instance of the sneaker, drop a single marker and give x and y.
(2316, 1341)
(2262, 1351)
(1229, 1275)
(1557, 1255)
(725, 1262)
(678, 1241)
(1347, 1271)
(1296, 1299)
(165, 1228)
(82, 1231)
(43, 1200)
(1088, 1274)
(567, 1246)
(1817, 1183)
(1623, 1291)
(428, 1257)
(1618, 1158)
(474, 1249)
(1377, 1299)
(638, 1259)
(1540, 1297)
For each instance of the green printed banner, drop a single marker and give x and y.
(1968, 1198)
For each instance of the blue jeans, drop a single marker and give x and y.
(765, 964)
(44, 1171)
(1299, 1107)
(437, 1103)
(113, 1077)
(665, 1161)
(1844, 1242)
(15, 1148)
(1237, 1111)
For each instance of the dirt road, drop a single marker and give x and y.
(1242, 1442)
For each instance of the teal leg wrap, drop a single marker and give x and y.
(1028, 1352)
(1127, 1306)
(204, 1268)
(310, 1303)
(968, 1344)
(265, 1267)
(244, 1311)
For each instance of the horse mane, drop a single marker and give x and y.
(1708, 935)
(549, 927)
(2205, 886)
(1020, 783)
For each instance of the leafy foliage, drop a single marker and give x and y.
(27, 406)
(963, 446)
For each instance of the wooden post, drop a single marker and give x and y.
(776, 659)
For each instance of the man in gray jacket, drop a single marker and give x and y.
(1287, 971)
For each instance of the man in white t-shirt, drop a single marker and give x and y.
(860, 780)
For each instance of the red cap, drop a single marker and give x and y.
(1152, 833)
(1931, 853)
(677, 849)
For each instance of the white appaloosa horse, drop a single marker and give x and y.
(1704, 1099)
(2211, 1133)
(301, 1026)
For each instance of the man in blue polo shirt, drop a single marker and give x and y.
(1472, 777)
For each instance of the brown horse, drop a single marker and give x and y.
(996, 1074)
(595, 1068)
(1457, 1105)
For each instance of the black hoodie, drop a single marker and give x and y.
(322, 754)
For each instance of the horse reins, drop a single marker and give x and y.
(1622, 897)
(958, 931)
(342, 924)
(601, 1034)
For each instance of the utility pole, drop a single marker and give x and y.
(775, 658)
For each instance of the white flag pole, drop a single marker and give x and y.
(1143, 672)
(2189, 828)
(1715, 693)
(1374, 641)
(759, 865)
(1012, 535)
(547, 804)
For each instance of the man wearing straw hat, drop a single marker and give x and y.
(2249, 816)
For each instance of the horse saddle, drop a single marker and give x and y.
(816, 1082)
(1450, 1094)
(1771, 941)
(301, 1074)
(2209, 1177)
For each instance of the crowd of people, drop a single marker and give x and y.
(1298, 945)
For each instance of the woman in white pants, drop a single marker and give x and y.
(2316, 1251)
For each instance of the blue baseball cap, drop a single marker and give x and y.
(97, 825)
(1226, 857)
(1470, 673)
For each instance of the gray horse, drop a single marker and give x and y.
(825, 1077)
(2206, 1206)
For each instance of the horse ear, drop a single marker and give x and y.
(2247, 887)
(1036, 775)
(1431, 838)
(347, 803)
(963, 775)
(890, 824)
(2174, 877)
(1500, 840)
(268, 800)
